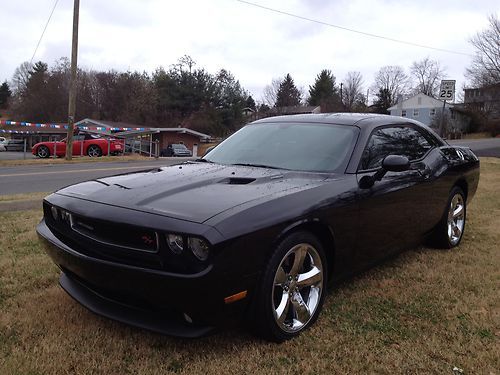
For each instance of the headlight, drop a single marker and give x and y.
(199, 248)
(175, 243)
(54, 212)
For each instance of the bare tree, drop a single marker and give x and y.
(394, 79)
(352, 90)
(428, 74)
(270, 94)
(21, 77)
(485, 67)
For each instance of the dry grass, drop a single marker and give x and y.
(74, 160)
(478, 135)
(22, 197)
(425, 312)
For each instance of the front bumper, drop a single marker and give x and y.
(151, 299)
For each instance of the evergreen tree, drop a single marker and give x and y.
(383, 101)
(250, 103)
(5, 94)
(324, 92)
(288, 95)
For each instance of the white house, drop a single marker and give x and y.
(420, 107)
(424, 108)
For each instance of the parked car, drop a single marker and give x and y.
(260, 226)
(3, 143)
(14, 145)
(83, 144)
(176, 149)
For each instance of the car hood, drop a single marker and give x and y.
(193, 191)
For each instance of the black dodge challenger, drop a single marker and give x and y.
(261, 225)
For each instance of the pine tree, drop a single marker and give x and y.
(250, 103)
(324, 92)
(5, 94)
(288, 95)
(383, 101)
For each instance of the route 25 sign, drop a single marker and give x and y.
(447, 90)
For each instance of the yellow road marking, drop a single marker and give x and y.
(78, 170)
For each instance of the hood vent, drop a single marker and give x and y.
(237, 180)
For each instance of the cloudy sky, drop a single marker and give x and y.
(255, 44)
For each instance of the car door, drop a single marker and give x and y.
(78, 145)
(392, 212)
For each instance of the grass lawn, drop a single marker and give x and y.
(426, 311)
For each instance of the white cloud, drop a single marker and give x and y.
(254, 44)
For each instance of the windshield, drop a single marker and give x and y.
(294, 146)
(179, 146)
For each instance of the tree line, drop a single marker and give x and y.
(182, 95)
(188, 96)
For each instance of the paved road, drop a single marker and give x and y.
(47, 178)
(481, 147)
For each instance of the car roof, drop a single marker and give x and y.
(361, 120)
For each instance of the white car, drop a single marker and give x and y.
(3, 142)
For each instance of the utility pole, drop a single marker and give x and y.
(341, 96)
(72, 84)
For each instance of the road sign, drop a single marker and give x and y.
(447, 90)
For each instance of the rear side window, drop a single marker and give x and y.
(402, 140)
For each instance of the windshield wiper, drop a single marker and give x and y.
(257, 165)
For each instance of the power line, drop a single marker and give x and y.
(43, 32)
(352, 30)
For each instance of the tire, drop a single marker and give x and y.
(43, 152)
(450, 230)
(290, 295)
(94, 151)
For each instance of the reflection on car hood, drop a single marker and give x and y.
(193, 191)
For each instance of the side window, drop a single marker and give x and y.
(400, 140)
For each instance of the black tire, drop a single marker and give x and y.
(292, 296)
(450, 230)
(94, 151)
(42, 152)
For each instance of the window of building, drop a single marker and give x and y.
(403, 113)
(415, 112)
(433, 111)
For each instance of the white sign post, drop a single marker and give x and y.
(446, 93)
(447, 90)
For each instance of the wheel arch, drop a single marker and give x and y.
(462, 184)
(322, 231)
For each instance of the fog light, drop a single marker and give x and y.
(199, 248)
(175, 243)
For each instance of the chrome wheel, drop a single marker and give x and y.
(298, 285)
(456, 219)
(43, 152)
(94, 151)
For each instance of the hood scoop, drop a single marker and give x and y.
(237, 180)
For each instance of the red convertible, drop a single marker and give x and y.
(83, 144)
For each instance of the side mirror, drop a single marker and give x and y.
(396, 163)
(391, 163)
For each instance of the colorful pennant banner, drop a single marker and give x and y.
(58, 126)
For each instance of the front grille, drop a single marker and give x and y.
(120, 243)
(127, 237)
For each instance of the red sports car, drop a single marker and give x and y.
(83, 144)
